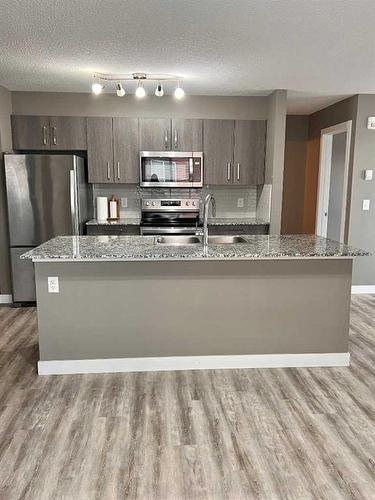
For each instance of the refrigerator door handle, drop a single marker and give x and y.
(73, 202)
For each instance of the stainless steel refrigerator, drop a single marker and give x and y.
(48, 196)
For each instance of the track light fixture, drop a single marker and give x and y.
(179, 92)
(140, 92)
(120, 91)
(159, 91)
(97, 88)
(140, 78)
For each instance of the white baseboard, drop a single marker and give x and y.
(356, 289)
(116, 365)
(6, 299)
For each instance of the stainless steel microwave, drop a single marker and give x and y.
(170, 169)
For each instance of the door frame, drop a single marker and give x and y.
(325, 163)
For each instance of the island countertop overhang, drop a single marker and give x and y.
(145, 248)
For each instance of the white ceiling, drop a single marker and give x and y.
(320, 50)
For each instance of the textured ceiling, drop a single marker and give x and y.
(317, 49)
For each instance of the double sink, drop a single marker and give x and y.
(197, 240)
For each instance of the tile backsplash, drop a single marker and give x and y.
(252, 201)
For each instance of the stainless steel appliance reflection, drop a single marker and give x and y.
(47, 196)
(171, 169)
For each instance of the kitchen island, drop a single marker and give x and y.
(128, 303)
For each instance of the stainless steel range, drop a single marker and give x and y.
(170, 216)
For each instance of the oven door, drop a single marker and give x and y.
(170, 169)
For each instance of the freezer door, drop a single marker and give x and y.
(39, 197)
(23, 278)
(84, 195)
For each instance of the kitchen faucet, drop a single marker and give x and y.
(206, 208)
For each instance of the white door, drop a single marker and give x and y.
(333, 181)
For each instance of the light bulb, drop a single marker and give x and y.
(159, 91)
(97, 88)
(120, 91)
(140, 91)
(179, 93)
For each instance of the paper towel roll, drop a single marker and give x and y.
(102, 208)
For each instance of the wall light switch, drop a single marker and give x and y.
(371, 122)
(368, 175)
(53, 284)
(240, 202)
(366, 205)
(124, 203)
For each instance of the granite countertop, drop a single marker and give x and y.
(237, 221)
(213, 221)
(128, 221)
(144, 248)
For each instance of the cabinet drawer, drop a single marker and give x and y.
(113, 230)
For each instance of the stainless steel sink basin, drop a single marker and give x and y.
(177, 240)
(225, 239)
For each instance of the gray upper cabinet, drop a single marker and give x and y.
(249, 152)
(126, 150)
(30, 132)
(68, 133)
(218, 143)
(48, 133)
(234, 152)
(187, 135)
(154, 134)
(100, 150)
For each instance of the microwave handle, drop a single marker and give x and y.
(191, 170)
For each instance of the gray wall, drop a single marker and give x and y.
(296, 136)
(337, 113)
(362, 224)
(5, 145)
(81, 104)
(275, 146)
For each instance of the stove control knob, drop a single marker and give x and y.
(188, 203)
(147, 203)
(193, 203)
(153, 203)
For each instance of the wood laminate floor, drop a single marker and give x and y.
(234, 434)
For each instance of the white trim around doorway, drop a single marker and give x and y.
(326, 137)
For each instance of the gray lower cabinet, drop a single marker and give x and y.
(126, 150)
(113, 230)
(187, 134)
(218, 143)
(234, 152)
(246, 229)
(155, 134)
(49, 133)
(249, 152)
(100, 150)
(30, 132)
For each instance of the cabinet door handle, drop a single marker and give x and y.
(166, 139)
(238, 171)
(108, 171)
(54, 136)
(228, 171)
(175, 138)
(44, 129)
(118, 170)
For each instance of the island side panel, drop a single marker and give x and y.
(193, 308)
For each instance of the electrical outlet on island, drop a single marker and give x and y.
(240, 202)
(124, 203)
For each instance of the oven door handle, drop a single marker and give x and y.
(168, 230)
(191, 170)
